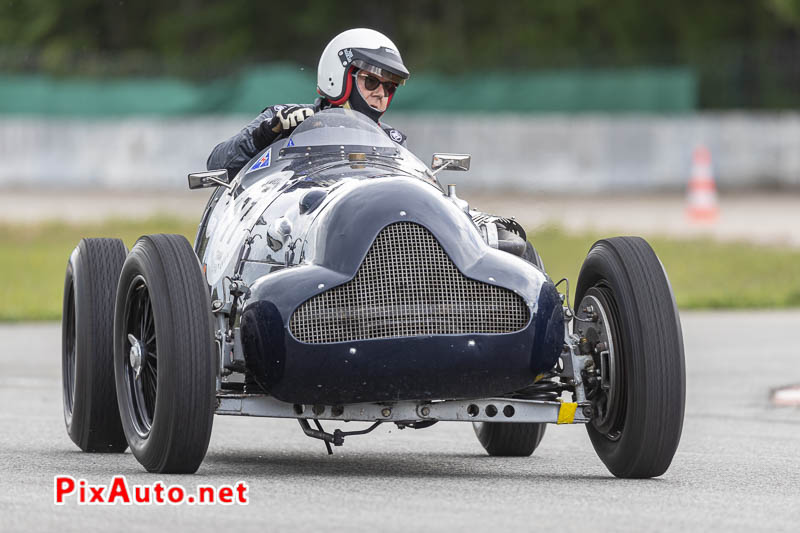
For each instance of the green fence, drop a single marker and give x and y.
(628, 90)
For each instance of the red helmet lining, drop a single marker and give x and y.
(348, 88)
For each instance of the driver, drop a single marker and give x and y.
(360, 69)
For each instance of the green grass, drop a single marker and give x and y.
(704, 274)
(33, 259)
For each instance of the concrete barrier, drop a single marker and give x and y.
(531, 153)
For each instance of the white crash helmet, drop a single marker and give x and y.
(359, 48)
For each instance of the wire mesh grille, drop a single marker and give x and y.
(407, 286)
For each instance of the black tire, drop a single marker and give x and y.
(87, 347)
(643, 407)
(167, 384)
(514, 439)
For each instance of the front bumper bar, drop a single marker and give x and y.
(484, 410)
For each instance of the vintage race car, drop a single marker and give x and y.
(334, 278)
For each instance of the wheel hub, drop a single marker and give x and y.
(593, 325)
(135, 355)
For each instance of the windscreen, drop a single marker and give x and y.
(340, 127)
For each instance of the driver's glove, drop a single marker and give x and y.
(288, 118)
(285, 120)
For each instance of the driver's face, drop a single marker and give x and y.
(377, 97)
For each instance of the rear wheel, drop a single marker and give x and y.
(630, 320)
(514, 439)
(87, 349)
(164, 356)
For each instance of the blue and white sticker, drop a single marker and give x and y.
(262, 162)
(290, 143)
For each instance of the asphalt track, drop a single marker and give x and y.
(737, 468)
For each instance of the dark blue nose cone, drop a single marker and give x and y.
(549, 334)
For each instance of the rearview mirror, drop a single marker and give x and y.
(210, 178)
(450, 162)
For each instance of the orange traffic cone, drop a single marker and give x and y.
(702, 193)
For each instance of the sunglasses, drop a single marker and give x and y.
(371, 83)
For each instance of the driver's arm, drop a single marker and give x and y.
(394, 134)
(265, 129)
(234, 153)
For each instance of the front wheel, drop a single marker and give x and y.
(164, 359)
(626, 312)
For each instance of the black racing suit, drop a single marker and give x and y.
(234, 153)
